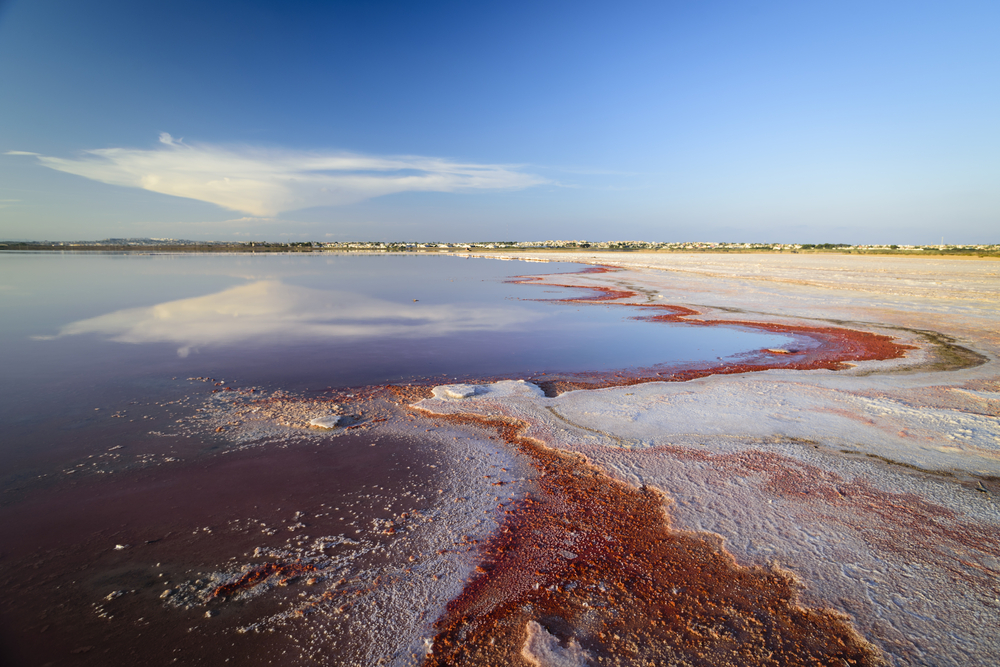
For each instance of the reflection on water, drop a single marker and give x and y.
(99, 331)
(99, 450)
(273, 313)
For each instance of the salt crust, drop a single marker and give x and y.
(542, 649)
(921, 584)
(397, 617)
(392, 622)
(496, 390)
(785, 406)
(860, 482)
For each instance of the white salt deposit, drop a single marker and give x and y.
(784, 404)
(418, 566)
(328, 421)
(875, 486)
(457, 390)
(542, 649)
(496, 390)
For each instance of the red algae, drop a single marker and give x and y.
(596, 561)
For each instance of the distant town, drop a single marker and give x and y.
(182, 245)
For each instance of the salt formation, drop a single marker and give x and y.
(542, 649)
(858, 495)
(458, 390)
(372, 594)
(495, 390)
(874, 485)
(330, 421)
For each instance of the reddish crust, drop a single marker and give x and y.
(596, 559)
(831, 348)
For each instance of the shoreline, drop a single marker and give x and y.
(223, 248)
(857, 487)
(757, 458)
(792, 480)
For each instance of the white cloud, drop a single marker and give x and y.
(263, 182)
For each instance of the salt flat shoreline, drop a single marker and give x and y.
(863, 497)
(752, 509)
(874, 486)
(223, 248)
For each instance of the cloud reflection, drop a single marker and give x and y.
(270, 312)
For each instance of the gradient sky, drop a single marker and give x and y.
(843, 122)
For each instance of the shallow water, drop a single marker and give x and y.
(99, 349)
(93, 334)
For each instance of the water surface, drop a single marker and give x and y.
(99, 349)
(96, 332)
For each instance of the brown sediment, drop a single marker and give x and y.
(830, 348)
(596, 560)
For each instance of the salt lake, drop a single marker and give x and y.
(114, 492)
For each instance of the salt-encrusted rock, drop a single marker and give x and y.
(458, 390)
(329, 421)
(502, 389)
(543, 650)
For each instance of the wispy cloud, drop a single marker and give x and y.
(265, 182)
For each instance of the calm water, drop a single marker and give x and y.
(88, 338)
(101, 330)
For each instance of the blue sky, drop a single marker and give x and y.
(852, 122)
